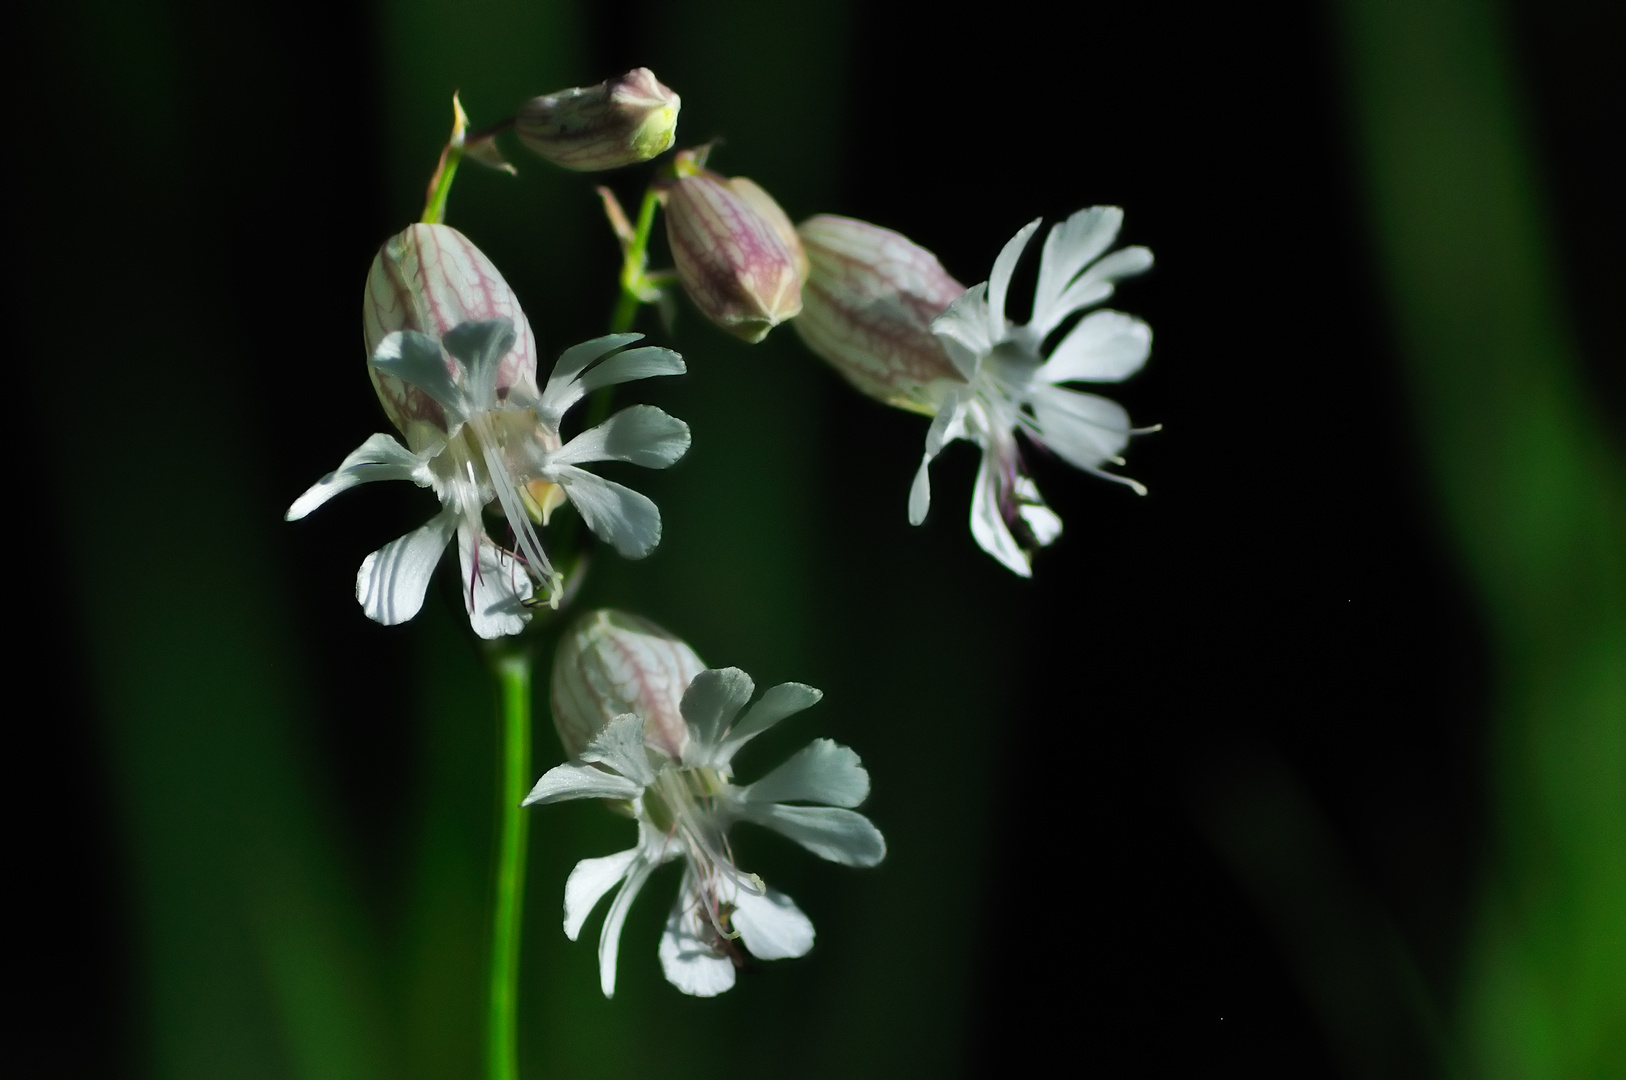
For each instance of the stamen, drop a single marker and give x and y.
(508, 495)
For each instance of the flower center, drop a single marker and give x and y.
(680, 804)
(494, 456)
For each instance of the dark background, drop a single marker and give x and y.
(1207, 793)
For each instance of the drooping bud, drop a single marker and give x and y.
(868, 306)
(609, 663)
(736, 252)
(589, 129)
(430, 278)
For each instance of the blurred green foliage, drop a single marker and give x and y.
(1532, 488)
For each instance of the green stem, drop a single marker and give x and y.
(635, 286)
(513, 670)
(434, 208)
(626, 308)
(634, 280)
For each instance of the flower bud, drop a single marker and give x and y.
(609, 663)
(736, 252)
(430, 278)
(868, 306)
(618, 122)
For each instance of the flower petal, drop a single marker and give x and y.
(963, 330)
(379, 458)
(1106, 346)
(1095, 285)
(1082, 429)
(618, 515)
(588, 883)
(712, 701)
(999, 280)
(842, 836)
(481, 345)
(641, 434)
(609, 939)
(988, 525)
(771, 926)
(417, 360)
(563, 783)
(822, 772)
(620, 746)
(777, 703)
(563, 389)
(1040, 519)
(920, 492)
(392, 580)
(631, 365)
(687, 956)
(495, 585)
(949, 424)
(1070, 247)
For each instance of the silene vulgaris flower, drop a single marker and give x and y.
(882, 310)
(668, 765)
(453, 360)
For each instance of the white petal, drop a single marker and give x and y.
(563, 389)
(1070, 247)
(988, 526)
(620, 745)
(771, 926)
(821, 772)
(379, 458)
(481, 345)
(842, 836)
(1095, 285)
(920, 492)
(1040, 519)
(417, 359)
(1082, 429)
(949, 423)
(495, 586)
(712, 701)
(963, 330)
(688, 959)
(609, 939)
(780, 701)
(631, 365)
(588, 883)
(565, 782)
(999, 280)
(1106, 346)
(1126, 262)
(641, 434)
(392, 580)
(618, 515)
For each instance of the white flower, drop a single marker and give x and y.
(1011, 383)
(685, 806)
(479, 434)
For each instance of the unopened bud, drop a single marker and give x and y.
(736, 252)
(619, 122)
(868, 306)
(430, 278)
(609, 663)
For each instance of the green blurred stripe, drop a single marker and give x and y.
(1534, 497)
(253, 958)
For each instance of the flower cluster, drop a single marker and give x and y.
(454, 364)
(646, 725)
(884, 313)
(666, 755)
